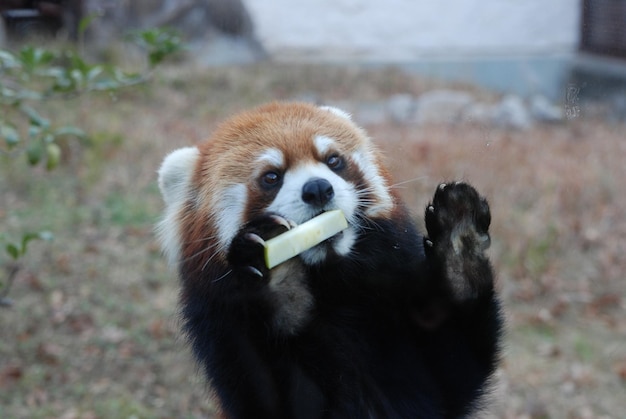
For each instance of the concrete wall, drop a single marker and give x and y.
(415, 29)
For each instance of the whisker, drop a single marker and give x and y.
(374, 225)
(404, 182)
(363, 224)
(367, 189)
(223, 276)
(200, 252)
(208, 260)
(200, 239)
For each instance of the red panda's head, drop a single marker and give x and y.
(293, 159)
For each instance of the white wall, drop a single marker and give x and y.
(415, 29)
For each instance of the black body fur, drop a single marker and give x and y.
(405, 327)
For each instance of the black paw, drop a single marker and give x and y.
(457, 222)
(246, 252)
(458, 213)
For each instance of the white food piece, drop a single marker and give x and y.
(304, 236)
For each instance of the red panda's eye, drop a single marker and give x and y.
(270, 178)
(335, 162)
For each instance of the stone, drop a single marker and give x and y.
(442, 106)
(511, 112)
(401, 108)
(542, 110)
(479, 113)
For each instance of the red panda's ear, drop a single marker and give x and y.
(337, 111)
(175, 174)
(175, 177)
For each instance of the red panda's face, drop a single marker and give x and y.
(295, 160)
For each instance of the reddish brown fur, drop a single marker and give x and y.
(226, 158)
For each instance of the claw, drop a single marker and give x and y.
(288, 224)
(255, 238)
(431, 208)
(254, 271)
(442, 186)
(428, 243)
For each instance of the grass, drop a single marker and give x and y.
(94, 332)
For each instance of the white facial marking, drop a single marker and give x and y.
(314, 256)
(272, 157)
(323, 144)
(229, 209)
(337, 111)
(342, 245)
(174, 180)
(376, 182)
(289, 204)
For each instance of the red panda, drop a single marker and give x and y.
(378, 321)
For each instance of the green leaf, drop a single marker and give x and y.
(77, 78)
(34, 132)
(159, 43)
(34, 152)
(13, 251)
(70, 131)
(10, 135)
(127, 79)
(8, 95)
(29, 94)
(28, 237)
(32, 58)
(105, 85)
(94, 72)
(53, 152)
(34, 117)
(8, 60)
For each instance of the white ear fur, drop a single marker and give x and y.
(175, 174)
(174, 179)
(337, 111)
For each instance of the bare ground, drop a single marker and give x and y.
(93, 330)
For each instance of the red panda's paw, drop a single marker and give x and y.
(457, 222)
(246, 252)
(457, 206)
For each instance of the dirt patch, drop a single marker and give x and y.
(93, 332)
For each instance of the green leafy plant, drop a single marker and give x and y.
(158, 44)
(16, 250)
(33, 76)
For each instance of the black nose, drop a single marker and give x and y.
(318, 192)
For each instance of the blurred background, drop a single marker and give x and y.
(526, 100)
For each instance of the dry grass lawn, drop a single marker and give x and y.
(93, 330)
